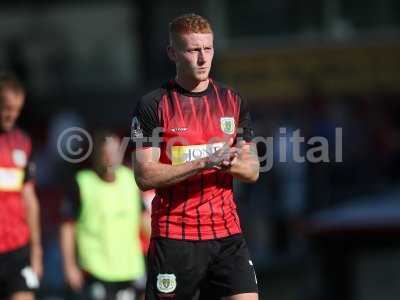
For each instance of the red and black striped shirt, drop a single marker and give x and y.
(193, 125)
(15, 171)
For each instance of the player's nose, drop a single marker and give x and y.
(201, 58)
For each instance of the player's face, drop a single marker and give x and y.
(193, 56)
(11, 103)
(109, 154)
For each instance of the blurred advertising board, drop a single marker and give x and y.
(289, 72)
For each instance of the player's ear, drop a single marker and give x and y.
(171, 53)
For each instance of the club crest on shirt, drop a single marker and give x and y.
(19, 157)
(228, 125)
(166, 283)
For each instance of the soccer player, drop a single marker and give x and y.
(20, 247)
(197, 247)
(102, 215)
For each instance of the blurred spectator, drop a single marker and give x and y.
(102, 216)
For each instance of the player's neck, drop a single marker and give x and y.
(192, 86)
(106, 174)
(4, 130)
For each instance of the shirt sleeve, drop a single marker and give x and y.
(71, 203)
(30, 172)
(246, 128)
(145, 121)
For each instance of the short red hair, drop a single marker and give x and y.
(189, 23)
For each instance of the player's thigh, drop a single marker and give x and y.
(22, 296)
(176, 269)
(232, 273)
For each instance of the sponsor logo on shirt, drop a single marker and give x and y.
(11, 179)
(183, 154)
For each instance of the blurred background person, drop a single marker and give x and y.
(102, 218)
(20, 245)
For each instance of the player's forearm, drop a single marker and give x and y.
(67, 240)
(146, 224)
(34, 224)
(33, 218)
(152, 175)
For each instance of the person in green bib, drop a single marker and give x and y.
(102, 218)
